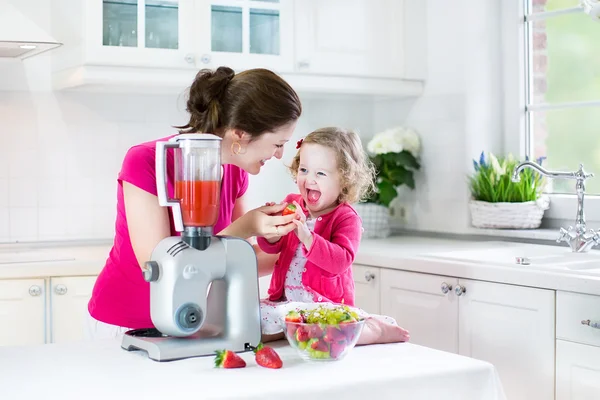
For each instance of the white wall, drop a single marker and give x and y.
(60, 152)
(458, 116)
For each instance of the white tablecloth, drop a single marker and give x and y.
(102, 370)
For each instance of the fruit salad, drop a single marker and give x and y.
(323, 333)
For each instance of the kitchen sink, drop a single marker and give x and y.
(526, 255)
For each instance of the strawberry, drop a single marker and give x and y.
(302, 334)
(349, 330)
(266, 357)
(315, 331)
(334, 335)
(228, 359)
(337, 349)
(294, 316)
(290, 209)
(319, 345)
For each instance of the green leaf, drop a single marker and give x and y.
(387, 192)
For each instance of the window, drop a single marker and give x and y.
(562, 99)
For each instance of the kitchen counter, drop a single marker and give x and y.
(31, 260)
(448, 257)
(102, 370)
(491, 261)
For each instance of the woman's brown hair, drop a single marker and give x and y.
(255, 101)
(357, 172)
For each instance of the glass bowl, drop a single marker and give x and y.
(322, 341)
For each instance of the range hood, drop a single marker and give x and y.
(19, 36)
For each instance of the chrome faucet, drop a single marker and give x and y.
(579, 238)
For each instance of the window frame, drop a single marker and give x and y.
(518, 128)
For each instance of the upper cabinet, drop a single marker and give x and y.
(361, 46)
(245, 34)
(350, 37)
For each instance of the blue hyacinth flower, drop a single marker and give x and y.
(482, 159)
(475, 165)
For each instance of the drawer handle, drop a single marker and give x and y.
(369, 276)
(591, 324)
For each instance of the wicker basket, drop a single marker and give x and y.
(375, 219)
(526, 215)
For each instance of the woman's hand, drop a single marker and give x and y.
(266, 221)
(304, 234)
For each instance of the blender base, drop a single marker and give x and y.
(160, 347)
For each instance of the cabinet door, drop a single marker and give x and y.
(69, 298)
(424, 304)
(22, 312)
(350, 37)
(511, 327)
(245, 34)
(367, 288)
(143, 33)
(577, 371)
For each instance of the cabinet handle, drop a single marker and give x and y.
(460, 290)
(205, 58)
(369, 276)
(35, 290)
(190, 58)
(60, 289)
(303, 64)
(446, 288)
(591, 323)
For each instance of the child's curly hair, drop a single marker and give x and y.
(357, 172)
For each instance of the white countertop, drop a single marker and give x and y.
(32, 260)
(447, 257)
(102, 370)
(457, 258)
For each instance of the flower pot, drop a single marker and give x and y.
(525, 215)
(375, 220)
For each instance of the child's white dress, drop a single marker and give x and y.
(297, 296)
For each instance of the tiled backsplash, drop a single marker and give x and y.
(61, 152)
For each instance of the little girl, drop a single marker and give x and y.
(315, 260)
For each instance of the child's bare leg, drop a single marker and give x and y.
(272, 338)
(379, 331)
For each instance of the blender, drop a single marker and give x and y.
(203, 288)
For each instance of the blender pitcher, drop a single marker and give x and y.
(197, 184)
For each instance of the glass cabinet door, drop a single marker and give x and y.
(141, 23)
(245, 27)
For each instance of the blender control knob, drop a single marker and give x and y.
(150, 271)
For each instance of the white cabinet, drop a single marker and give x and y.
(577, 371)
(512, 327)
(163, 43)
(350, 37)
(22, 312)
(425, 305)
(69, 298)
(375, 47)
(367, 283)
(578, 346)
(38, 311)
(245, 34)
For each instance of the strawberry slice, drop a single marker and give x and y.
(290, 209)
(294, 316)
(337, 349)
(319, 345)
(334, 335)
(302, 334)
(266, 357)
(228, 359)
(315, 331)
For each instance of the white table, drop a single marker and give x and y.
(102, 370)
